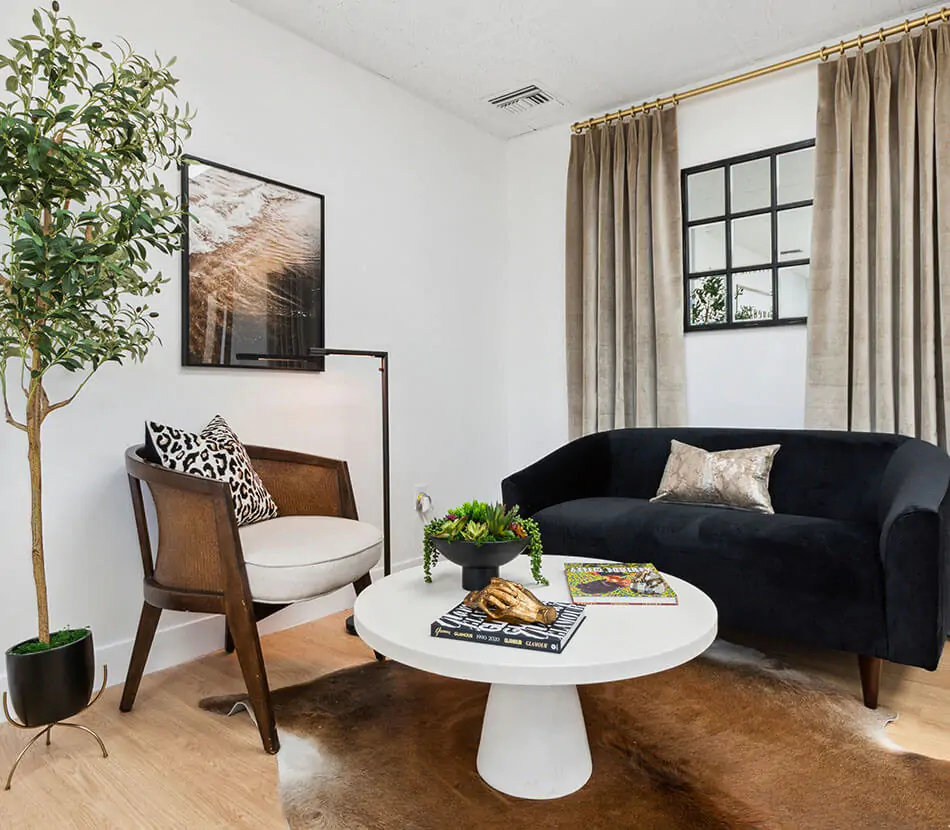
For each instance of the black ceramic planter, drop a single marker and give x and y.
(50, 686)
(479, 562)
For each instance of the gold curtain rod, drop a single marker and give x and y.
(819, 54)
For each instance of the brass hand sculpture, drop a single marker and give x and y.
(510, 602)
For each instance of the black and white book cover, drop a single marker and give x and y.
(475, 626)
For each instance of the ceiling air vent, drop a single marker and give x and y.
(522, 100)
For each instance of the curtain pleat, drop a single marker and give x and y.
(861, 276)
(942, 196)
(880, 259)
(624, 291)
(883, 251)
(926, 277)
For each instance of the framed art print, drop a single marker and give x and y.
(252, 269)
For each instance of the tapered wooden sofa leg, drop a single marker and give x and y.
(148, 622)
(247, 644)
(871, 668)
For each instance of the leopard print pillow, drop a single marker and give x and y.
(218, 454)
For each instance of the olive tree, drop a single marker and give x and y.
(83, 132)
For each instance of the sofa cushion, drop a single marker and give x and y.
(293, 558)
(791, 576)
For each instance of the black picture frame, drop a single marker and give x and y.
(307, 328)
(773, 210)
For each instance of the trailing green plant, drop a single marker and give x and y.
(482, 523)
(82, 133)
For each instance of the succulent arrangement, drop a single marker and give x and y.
(482, 523)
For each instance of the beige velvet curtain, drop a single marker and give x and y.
(879, 321)
(624, 299)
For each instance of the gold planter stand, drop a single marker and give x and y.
(47, 730)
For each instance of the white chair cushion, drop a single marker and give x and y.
(294, 558)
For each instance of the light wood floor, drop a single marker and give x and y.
(172, 765)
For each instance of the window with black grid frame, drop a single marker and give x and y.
(747, 239)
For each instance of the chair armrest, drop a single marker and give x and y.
(305, 485)
(914, 517)
(575, 471)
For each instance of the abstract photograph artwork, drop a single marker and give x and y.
(252, 270)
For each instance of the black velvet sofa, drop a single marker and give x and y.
(854, 558)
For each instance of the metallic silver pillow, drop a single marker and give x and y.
(730, 478)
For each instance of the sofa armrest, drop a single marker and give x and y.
(914, 516)
(575, 471)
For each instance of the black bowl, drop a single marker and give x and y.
(480, 562)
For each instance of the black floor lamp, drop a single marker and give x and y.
(316, 355)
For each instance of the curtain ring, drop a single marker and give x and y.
(822, 54)
(841, 48)
(675, 100)
(944, 14)
(658, 105)
(880, 35)
(906, 27)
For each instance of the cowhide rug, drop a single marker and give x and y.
(728, 741)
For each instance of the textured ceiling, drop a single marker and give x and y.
(592, 54)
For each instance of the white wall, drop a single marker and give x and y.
(754, 377)
(414, 264)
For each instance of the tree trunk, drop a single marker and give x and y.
(35, 412)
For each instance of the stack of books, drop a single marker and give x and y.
(474, 626)
(600, 583)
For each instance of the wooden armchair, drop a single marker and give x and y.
(205, 563)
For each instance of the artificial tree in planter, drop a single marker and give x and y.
(82, 133)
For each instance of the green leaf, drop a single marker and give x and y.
(12, 83)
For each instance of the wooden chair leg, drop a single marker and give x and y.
(359, 586)
(148, 622)
(870, 668)
(247, 644)
(261, 612)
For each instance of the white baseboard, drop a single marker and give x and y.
(194, 638)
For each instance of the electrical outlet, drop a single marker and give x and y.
(422, 501)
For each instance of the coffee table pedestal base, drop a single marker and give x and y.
(534, 741)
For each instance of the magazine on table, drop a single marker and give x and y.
(474, 626)
(614, 583)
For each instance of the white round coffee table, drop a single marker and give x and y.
(534, 741)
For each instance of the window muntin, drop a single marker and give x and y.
(747, 239)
